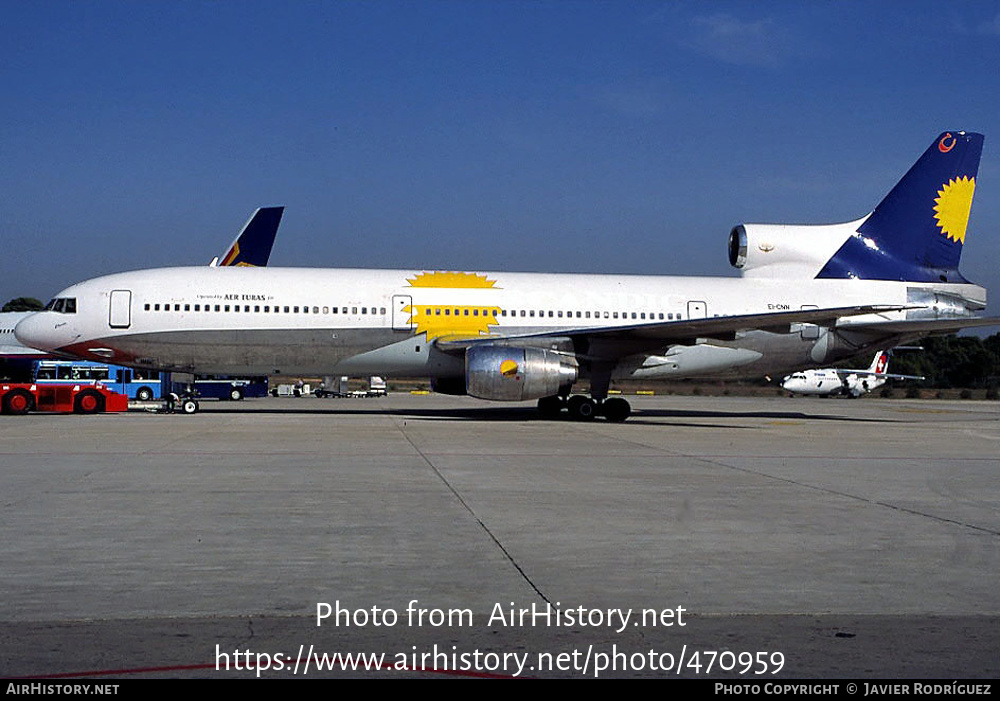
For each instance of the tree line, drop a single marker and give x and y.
(952, 362)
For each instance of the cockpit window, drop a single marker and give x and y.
(62, 305)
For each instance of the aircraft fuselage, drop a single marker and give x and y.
(306, 321)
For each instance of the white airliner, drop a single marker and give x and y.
(849, 383)
(808, 294)
(10, 348)
(251, 247)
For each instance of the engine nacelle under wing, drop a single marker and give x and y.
(508, 373)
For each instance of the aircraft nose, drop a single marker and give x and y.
(40, 331)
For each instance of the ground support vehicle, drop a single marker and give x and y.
(79, 398)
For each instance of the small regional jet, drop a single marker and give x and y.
(829, 382)
(251, 247)
(806, 295)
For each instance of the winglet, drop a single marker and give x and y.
(253, 246)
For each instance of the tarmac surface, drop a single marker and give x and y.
(856, 539)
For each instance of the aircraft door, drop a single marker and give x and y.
(809, 331)
(697, 310)
(401, 314)
(120, 310)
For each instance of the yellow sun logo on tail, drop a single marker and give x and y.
(952, 207)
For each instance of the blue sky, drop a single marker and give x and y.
(624, 137)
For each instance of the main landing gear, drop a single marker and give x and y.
(581, 408)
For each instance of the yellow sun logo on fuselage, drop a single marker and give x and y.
(952, 207)
(452, 320)
(444, 278)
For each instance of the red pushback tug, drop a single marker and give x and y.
(17, 398)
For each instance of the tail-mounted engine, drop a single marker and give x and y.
(785, 250)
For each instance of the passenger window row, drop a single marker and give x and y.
(428, 311)
(266, 309)
(460, 311)
(639, 316)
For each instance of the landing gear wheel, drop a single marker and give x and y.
(189, 406)
(582, 408)
(18, 402)
(616, 410)
(550, 407)
(88, 402)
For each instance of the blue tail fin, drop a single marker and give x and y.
(916, 233)
(253, 246)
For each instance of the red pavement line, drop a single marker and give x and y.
(212, 666)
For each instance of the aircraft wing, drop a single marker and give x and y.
(872, 373)
(625, 339)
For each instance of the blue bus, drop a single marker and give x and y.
(145, 384)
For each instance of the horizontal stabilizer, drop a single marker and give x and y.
(912, 326)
